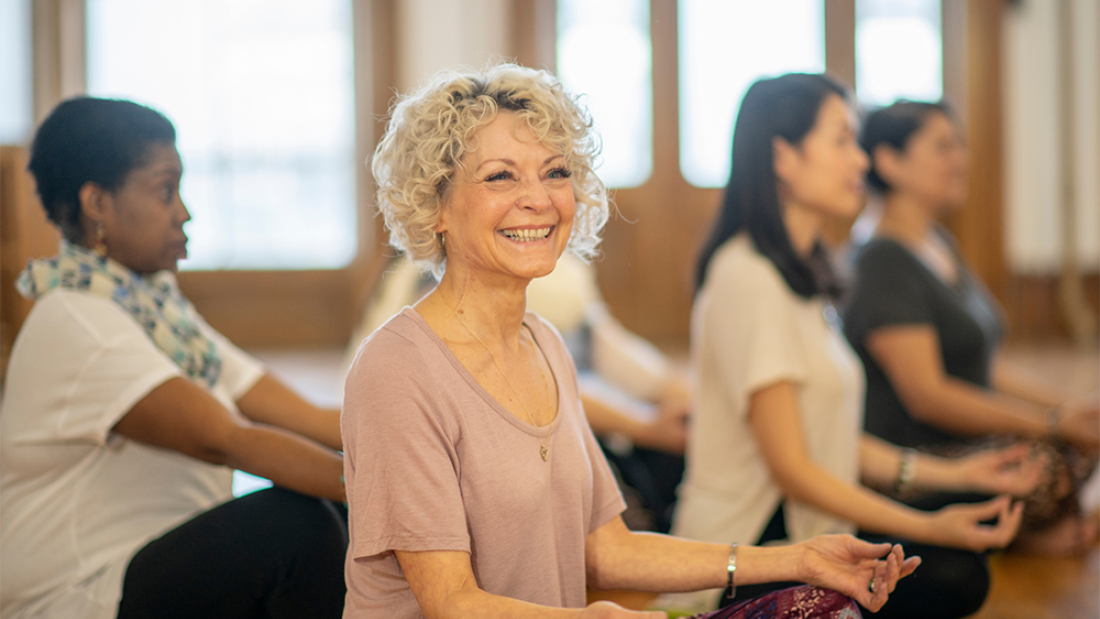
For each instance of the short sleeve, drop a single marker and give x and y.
(84, 364)
(400, 461)
(889, 290)
(751, 324)
(240, 370)
(607, 499)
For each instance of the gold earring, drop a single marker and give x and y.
(100, 246)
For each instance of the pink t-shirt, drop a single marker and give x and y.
(433, 462)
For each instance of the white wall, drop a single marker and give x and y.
(448, 34)
(1033, 142)
(1087, 126)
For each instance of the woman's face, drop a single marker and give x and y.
(510, 208)
(143, 219)
(825, 172)
(933, 166)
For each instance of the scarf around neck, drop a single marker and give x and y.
(153, 301)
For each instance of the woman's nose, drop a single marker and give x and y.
(534, 195)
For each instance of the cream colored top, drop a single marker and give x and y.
(750, 331)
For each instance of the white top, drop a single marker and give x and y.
(750, 331)
(77, 501)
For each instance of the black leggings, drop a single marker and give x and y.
(270, 554)
(949, 583)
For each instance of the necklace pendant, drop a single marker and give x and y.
(544, 452)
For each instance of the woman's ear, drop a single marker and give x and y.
(93, 201)
(887, 162)
(785, 157)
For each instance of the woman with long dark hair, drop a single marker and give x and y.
(777, 451)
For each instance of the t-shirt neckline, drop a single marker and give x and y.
(962, 282)
(525, 426)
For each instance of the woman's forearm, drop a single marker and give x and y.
(881, 462)
(475, 602)
(857, 504)
(617, 558)
(963, 408)
(1015, 382)
(287, 459)
(271, 402)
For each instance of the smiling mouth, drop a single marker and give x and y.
(527, 235)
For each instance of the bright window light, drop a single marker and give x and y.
(899, 51)
(725, 46)
(261, 94)
(605, 58)
(16, 118)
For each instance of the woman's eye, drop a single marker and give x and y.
(500, 176)
(560, 173)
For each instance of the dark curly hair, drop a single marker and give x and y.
(89, 140)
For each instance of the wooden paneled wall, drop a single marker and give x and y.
(24, 233)
(649, 250)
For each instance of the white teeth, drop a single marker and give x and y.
(535, 234)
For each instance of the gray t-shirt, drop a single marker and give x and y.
(433, 462)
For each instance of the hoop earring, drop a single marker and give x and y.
(100, 245)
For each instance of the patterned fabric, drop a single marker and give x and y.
(153, 301)
(803, 602)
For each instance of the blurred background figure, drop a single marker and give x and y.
(929, 332)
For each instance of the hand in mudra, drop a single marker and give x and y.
(863, 571)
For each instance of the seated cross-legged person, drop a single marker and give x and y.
(124, 413)
(777, 453)
(929, 332)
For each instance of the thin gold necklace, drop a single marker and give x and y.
(544, 448)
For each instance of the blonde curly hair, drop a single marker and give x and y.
(430, 131)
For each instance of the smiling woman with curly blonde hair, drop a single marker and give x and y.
(475, 485)
(431, 130)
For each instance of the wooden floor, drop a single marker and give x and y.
(1038, 588)
(1023, 587)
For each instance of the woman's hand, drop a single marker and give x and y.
(1013, 470)
(610, 610)
(960, 525)
(865, 572)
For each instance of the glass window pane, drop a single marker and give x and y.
(605, 56)
(261, 94)
(16, 118)
(899, 51)
(726, 45)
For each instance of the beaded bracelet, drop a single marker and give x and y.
(907, 470)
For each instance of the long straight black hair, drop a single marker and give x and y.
(786, 107)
